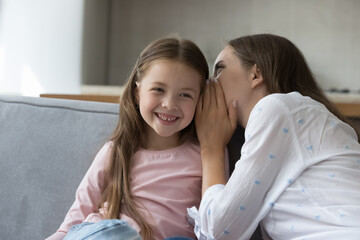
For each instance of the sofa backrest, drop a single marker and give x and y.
(46, 147)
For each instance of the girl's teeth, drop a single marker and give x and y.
(166, 118)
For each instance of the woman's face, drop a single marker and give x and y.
(235, 80)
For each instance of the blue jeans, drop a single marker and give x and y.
(109, 229)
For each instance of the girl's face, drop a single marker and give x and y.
(167, 96)
(237, 82)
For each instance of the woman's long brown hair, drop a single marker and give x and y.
(283, 68)
(127, 135)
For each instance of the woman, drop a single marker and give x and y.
(299, 171)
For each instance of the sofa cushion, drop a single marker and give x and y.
(46, 146)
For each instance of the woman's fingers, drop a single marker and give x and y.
(219, 95)
(202, 107)
(199, 109)
(228, 114)
(199, 105)
(213, 100)
(208, 99)
(233, 114)
(206, 96)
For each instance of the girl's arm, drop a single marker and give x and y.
(87, 195)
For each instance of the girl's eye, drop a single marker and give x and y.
(158, 89)
(185, 95)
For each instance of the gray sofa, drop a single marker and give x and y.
(46, 146)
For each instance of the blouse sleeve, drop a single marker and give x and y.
(233, 211)
(87, 195)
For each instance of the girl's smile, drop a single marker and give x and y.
(166, 118)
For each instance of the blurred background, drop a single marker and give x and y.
(62, 46)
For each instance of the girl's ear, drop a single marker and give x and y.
(256, 76)
(136, 92)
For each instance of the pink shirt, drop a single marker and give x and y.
(165, 182)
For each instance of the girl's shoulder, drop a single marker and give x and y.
(106, 148)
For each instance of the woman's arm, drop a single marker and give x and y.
(268, 161)
(215, 125)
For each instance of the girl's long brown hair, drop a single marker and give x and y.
(283, 68)
(127, 135)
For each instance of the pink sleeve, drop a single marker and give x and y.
(88, 193)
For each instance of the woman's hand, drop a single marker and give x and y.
(215, 124)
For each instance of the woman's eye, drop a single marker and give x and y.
(218, 70)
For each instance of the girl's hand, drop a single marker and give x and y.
(215, 122)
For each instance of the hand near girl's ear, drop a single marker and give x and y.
(215, 121)
(215, 124)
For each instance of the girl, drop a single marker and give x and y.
(150, 171)
(299, 171)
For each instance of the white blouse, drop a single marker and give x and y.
(299, 175)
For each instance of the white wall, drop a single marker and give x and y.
(44, 47)
(40, 46)
(327, 31)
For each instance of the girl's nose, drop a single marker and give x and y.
(169, 103)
